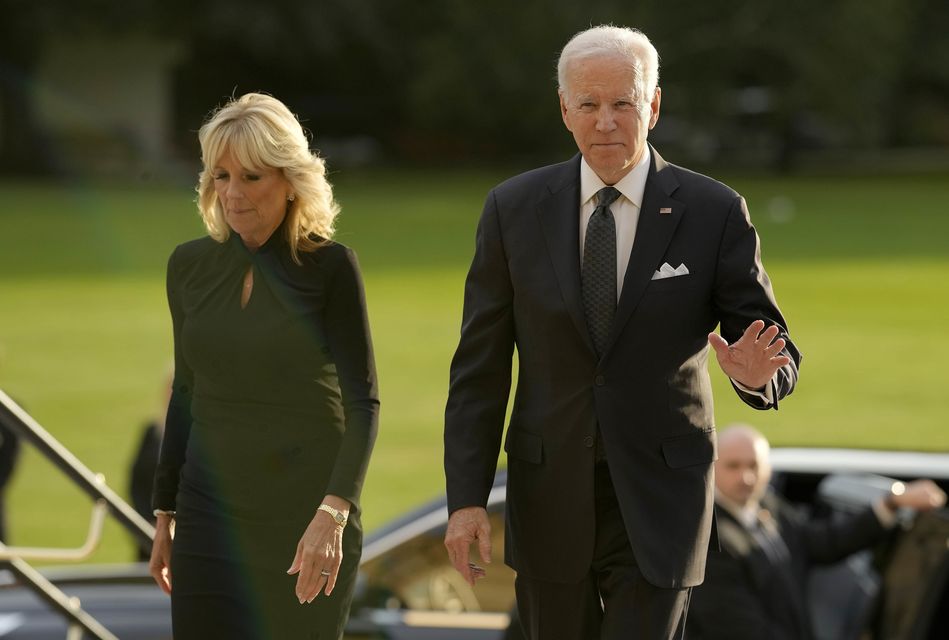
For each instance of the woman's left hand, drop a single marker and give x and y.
(319, 553)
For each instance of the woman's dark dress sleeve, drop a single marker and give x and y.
(178, 420)
(347, 330)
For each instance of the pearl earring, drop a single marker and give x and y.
(291, 198)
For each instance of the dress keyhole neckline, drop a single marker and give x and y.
(248, 287)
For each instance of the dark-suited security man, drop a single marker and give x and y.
(609, 272)
(755, 586)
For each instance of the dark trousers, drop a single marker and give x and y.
(614, 601)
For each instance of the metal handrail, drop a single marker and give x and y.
(55, 598)
(78, 554)
(20, 422)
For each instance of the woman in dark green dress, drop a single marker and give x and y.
(274, 407)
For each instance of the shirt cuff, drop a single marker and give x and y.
(766, 394)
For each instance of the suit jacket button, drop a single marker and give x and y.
(588, 442)
(599, 381)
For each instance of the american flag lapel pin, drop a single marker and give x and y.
(665, 211)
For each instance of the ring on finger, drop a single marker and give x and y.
(324, 572)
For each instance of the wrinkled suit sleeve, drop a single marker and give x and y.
(480, 370)
(743, 294)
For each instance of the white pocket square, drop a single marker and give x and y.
(666, 271)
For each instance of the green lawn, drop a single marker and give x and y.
(860, 267)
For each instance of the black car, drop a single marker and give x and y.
(408, 590)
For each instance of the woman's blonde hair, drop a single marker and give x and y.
(260, 131)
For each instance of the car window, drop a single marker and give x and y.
(417, 575)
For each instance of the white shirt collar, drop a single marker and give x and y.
(747, 515)
(631, 185)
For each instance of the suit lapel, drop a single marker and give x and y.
(560, 220)
(658, 218)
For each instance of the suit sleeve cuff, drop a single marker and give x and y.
(766, 395)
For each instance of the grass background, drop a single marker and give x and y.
(860, 267)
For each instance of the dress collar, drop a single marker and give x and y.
(276, 241)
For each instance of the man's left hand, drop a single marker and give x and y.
(754, 358)
(465, 526)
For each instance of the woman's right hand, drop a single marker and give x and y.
(160, 563)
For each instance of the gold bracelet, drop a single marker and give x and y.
(338, 516)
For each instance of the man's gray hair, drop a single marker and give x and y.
(608, 40)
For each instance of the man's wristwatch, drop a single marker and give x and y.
(340, 517)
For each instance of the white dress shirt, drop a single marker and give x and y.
(626, 217)
(625, 209)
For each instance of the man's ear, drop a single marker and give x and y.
(654, 108)
(563, 109)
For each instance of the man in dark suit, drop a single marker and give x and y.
(755, 586)
(609, 273)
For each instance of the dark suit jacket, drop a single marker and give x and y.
(748, 595)
(649, 392)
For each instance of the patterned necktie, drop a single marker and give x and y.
(598, 275)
